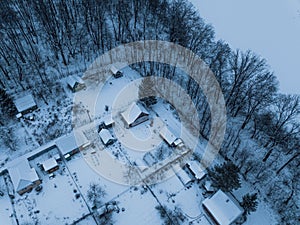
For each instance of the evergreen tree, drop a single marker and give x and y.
(249, 203)
(225, 176)
(147, 91)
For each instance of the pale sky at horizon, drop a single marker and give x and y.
(270, 28)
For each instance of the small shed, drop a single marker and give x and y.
(196, 169)
(106, 137)
(23, 177)
(25, 104)
(115, 71)
(168, 136)
(50, 165)
(107, 122)
(134, 115)
(222, 208)
(181, 174)
(75, 83)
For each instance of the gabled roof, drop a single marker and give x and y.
(49, 164)
(70, 142)
(223, 208)
(22, 175)
(133, 112)
(167, 135)
(73, 80)
(24, 103)
(105, 136)
(183, 176)
(197, 169)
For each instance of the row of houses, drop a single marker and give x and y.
(25, 178)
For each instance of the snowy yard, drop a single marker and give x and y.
(6, 210)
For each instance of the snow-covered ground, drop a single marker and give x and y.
(6, 210)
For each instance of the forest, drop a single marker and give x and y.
(43, 41)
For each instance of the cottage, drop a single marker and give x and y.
(134, 115)
(23, 177)
(181, 174)
(25, 104)
(196, 169)
(71, 144)
(106, 137)
(75, 83)
(50, 165)
(116, 72)
(222, 208)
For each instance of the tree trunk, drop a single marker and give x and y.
(288, 162)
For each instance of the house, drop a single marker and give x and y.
(196, 169)
(116, 72)
(71, 144)
(75, 83)
(222, 208)
(23, 177)
(106, 137)
(134, 115)
(181, 174)
(50, 165)
(25, 104)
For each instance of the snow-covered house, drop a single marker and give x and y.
(23, 177)
(25, 104)
(70, 144)
(181, 174)
(134, 115)
(75, 83)
(50, 165)
(106, 137)
(222, 208)
(116, 72)
(196, 169)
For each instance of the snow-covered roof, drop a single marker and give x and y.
(105, 136)
(183, 176)
(208, 186)
(114, 69)
(133, 112)
(197, 169)
(223, 208)
(167, 135)
(70, 142)
(24, 103)
(22, 175)
(108, 120)
(72, 80)
(49, 164)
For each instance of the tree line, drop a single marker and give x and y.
(41, 36)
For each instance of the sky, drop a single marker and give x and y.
(270, 28)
